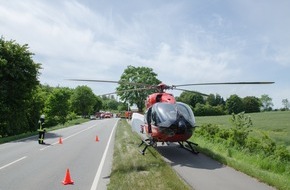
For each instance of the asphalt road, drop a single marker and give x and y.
(25, 164)
(200, 171)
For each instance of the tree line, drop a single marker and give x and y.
(216, 105)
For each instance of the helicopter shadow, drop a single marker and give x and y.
(177, 156)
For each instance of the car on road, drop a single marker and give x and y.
(108, 115)
(93, 117)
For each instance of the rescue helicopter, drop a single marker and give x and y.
(167, 120)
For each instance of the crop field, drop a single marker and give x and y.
(275, 124)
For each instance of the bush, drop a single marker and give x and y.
(271, 157)
(253, 145)
(71, 116)
(208, 110)
(282, 153)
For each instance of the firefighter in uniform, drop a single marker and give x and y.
(41, 130)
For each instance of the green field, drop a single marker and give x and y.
(275, 124)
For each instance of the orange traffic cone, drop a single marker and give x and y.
(97, 138)
(60, 140)
(67, 180)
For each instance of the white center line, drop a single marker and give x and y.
(13, 162)
(69, 137)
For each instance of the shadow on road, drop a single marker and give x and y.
(48, 135)
(175, 155)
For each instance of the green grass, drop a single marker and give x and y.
(131, 170)
(247, 164)
(275, 124)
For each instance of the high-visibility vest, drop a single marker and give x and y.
(40, 127)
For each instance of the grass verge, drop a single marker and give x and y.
(243, 162)
(131, 170)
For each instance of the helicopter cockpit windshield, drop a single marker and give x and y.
(166, 114)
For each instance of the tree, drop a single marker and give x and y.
(208, 110)
(98, 104)
(58, 106)
(36, 107)
(83, 100)
(133, 74)
(123, 106)
(266, 102)
(18, 80)
(286, 104)
(215, 100)
(251, 104)
(234, 104)
(191, 98)
(110, 104)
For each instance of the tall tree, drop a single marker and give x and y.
(286, 104)
(191, 98)
(36, 107)
(215, 100)
(83, 100)
(98, 104)
(133, 74)
(234, 104)
(18, 79)
(110, 104)
(58, 105)
(251, 104)
(266, 102)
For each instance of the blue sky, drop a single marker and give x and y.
(184, 41)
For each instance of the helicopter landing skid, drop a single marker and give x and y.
(147, 142)
(190, 146)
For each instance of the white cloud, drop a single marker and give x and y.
(184, 42)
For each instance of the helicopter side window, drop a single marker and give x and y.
(155, 118)
(148, 116)
(158, 98)
(186, 112)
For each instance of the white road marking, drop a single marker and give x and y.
(69, 137)
(13, 162)
(98, 174)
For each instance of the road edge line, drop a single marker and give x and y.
(98, 174)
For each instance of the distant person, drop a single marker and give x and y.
(41, 130)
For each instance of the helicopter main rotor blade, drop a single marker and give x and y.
(92, 80)
(129, 90)
(111, 81)
(221, 83)
(191, 91)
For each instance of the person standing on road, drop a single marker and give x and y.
(41, 130)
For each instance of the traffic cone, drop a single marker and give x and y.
(97, 138)
(60, 140)
(67, 180)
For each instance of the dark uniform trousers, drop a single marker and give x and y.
(41, 133)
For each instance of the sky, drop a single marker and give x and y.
(183, 41)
